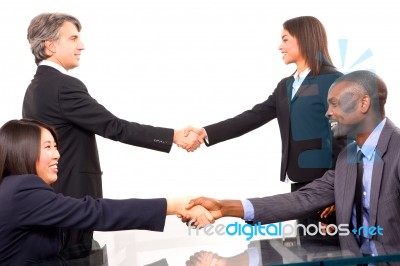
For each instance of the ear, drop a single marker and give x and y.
(50, 47)
(365, 103)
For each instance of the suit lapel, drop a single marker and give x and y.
(351, 176)
(375, 187)
(303, 87)
(350, 187)
(377, 171)
(289, 90)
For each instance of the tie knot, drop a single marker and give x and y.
(360, 156)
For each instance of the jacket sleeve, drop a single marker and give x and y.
(79, 108)
(299, 204)
(243, 123)
(38, 205)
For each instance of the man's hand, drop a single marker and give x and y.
(187, 140)
(201, 132)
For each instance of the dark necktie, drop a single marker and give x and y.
(364, 244)
(359, 189)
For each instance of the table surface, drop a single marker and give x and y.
(290, 251)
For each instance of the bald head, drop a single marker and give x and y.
(365, 82)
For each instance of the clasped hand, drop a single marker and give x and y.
(189, 138)
(212, 207)
(190, 210)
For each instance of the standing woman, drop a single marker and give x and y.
(32, 214)
(299, 102)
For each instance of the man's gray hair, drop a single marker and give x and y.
(45, 27)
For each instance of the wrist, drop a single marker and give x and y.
(172, 206)
(232, 208)
(204, 132)
(175, 136)
(177, 205)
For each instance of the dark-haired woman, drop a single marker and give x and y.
(32, 214)
(299, 103)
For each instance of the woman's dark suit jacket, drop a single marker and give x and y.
(31, 215)
(308, 149)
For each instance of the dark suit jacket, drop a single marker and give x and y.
(307, 146)
(63, 102)
(339, 187)
(31, 215)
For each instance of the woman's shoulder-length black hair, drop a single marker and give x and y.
(20, 146)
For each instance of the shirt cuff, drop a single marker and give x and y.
(248, 210)
(206, 138)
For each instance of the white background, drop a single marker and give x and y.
(175, 63)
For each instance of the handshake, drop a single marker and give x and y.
(189, 138)
(202, 211)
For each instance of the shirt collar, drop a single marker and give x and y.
(302, 74)
(369, 146)
(53, 65)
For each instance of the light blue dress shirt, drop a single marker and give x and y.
(369, 151)
(298, 80)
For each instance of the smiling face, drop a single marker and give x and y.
(346, 109)
(67, 49)
(290, 49)
(46, 164)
